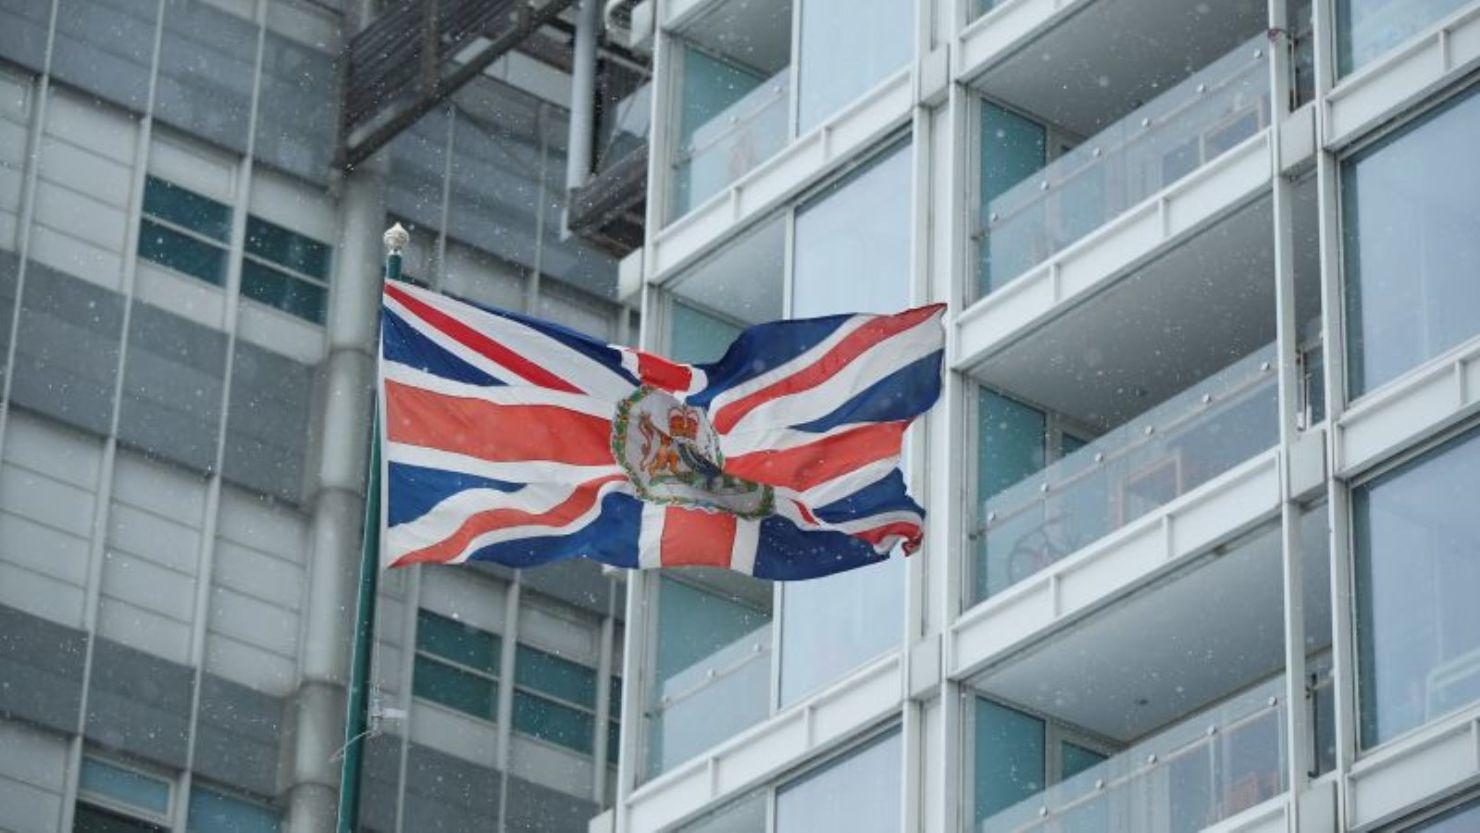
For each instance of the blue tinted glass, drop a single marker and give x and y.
(124, 786)
(292, 295)
(1365, 29)
(182, 253)
(1417, 567)
(698, 336)
(1409, 247)
(548, 720)
(455, 641)
(290, 249)
(1009, 757)
(186, 209)
(552, 675)
(213, 812)
(613, 742)
(454, 688)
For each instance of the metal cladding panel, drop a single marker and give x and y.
(172, 382)
(40, 670)
(449, 795)
(138, 704)
(537, 809)
(67, 349)
(238, 735)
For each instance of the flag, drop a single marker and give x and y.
(518, 441)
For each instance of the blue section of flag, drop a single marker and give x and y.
(763, 348)
(416, 489)
(610, 539)
(904, 394)
(787, 553)
(887, 494)
(403, 343)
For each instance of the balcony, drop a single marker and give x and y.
(1137, 156)
(732, 143)
(1134, 469)
(1160, 713)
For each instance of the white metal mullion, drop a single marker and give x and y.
(104, 495)
(1297, 715)
(439, 272)
(510, 642)
(603, 695)
(205, 564)
(41, 92)
(532, 285)
(412, 605)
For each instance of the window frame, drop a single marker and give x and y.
(420, 652)
(289, 272)
(224, 246)
(131, 812)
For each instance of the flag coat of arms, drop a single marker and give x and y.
(518, 441)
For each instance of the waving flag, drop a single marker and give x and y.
(518, 441)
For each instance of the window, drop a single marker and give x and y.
(285, 270)
(554, 699)
(1458, 820)
(184, 231)
(115, 799)
(859, 792)
(845, 48)
(1417, 552)
(212, 811)
(1410, 250)
(1365, 29)
(456, 665)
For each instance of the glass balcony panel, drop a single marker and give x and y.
(1134, 469)
(1193, 774)
(731, 118)
(1157, 144)
(1365, 29)
(712, 668)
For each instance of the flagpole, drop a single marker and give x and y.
(357, 699)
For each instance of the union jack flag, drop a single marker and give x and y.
(518, 441)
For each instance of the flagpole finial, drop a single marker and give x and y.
(395, 239)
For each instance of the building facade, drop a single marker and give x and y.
(1200, 545)
(188, 292)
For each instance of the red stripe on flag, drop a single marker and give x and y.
(480, 523)
(695, 538)
(906, 530)
(805, 466)
(500, 433)
(480, 343)
(663, 374)
(851, 347)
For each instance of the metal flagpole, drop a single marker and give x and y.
(357, 700)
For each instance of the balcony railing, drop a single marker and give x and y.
(1157, 144)
(1166, 452)
(728, 146)
(1197, 773)
(710, 701)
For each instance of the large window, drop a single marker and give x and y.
(554, 699)
(284, 269)
(846, 48)
(1463, 818)
(851, 254)
(456, 665)
(184, 231)
(860, 792)
(1417, 548)
(1411, 246)
(1365, 29)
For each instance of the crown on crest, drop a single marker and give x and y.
(682, 422)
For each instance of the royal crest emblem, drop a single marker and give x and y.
(672, 454)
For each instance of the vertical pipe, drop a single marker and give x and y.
(582, 98)
(357, 699)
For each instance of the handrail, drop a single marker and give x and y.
(760, 646)
(1254, 371)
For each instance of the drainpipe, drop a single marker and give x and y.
(582, 98)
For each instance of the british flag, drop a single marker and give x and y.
(518, 441)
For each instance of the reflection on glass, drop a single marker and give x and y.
(1410, 246)
(1463, 818)
(1192, 774)
(748, 815)
(1417, 566)
(859, 793)
(1152, 147)
(711, 664)
(1166, 452)
(697, 336)
(852, 249)
(846, 48)
(1366, 29)
(732, 118)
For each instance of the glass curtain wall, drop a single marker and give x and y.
(1366, 29)
(1410, 246)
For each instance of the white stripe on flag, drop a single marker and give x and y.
(781, 371)
(499, 394)
(650, 540)
(519, 471)
(742, 550)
